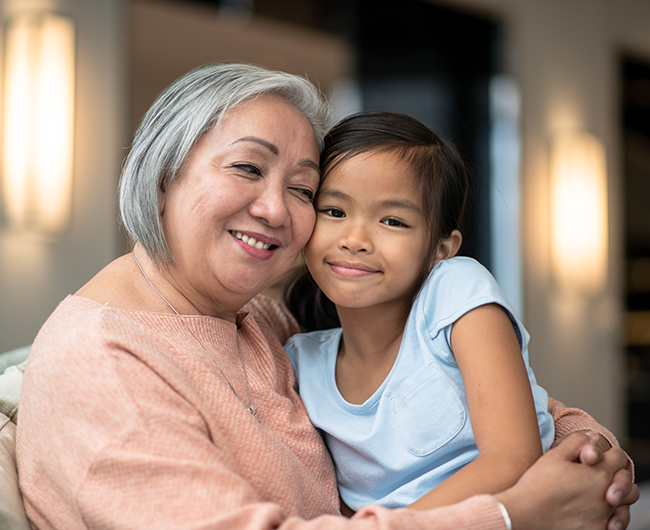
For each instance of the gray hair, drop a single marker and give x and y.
(179, 117)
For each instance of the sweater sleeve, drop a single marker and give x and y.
(568, 420)
(275, 315)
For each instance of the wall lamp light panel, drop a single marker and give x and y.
(579, 217)
(38, 122)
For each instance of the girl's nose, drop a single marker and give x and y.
(271, 206)
(356, 239)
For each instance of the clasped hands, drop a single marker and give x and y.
(579, 484)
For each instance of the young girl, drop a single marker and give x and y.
(424, 394)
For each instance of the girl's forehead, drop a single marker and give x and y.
(373, 174)
(389, 157)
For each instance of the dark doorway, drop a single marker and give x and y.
(435, 64)
(636, 152)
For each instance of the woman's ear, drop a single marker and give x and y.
(447, 248)
(162, 195)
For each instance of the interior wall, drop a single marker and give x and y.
(35, 275)
(565, 56)
(169, 38)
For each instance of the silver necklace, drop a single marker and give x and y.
(251, 408)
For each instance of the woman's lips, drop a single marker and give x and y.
(255, 245)
(354, 270)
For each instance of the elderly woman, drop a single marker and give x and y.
(159, 395)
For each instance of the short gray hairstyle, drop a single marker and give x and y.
(179, 117)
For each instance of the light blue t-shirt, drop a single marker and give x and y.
(415, 430)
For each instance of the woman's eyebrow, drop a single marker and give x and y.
(274, 149)
(306, 162)
(265, 143)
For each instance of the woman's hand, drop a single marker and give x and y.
(620, 493)
(573, 486)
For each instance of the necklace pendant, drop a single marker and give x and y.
(253, 410)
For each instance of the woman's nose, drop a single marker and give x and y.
(271, 206)
(356, 239)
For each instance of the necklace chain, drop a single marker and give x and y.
(251, 408)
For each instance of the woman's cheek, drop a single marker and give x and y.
(306, 226)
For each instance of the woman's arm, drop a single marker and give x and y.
(501, 407)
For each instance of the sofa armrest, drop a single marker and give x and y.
(12, 512)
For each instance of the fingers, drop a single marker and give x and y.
(590, 454)
(621, 490)
(580, 447)
(620, 519)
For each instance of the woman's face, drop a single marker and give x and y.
(241, 210)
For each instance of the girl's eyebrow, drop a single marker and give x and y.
(402, 204)
(306, 162)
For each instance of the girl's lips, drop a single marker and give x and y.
(355, 270)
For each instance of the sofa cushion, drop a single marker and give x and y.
(12, 513)
(12, 357)
(10, 384)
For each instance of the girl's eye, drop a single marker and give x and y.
(249, 168)
(393, 222)
(333, 212)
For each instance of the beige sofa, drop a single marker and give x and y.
(12, 366)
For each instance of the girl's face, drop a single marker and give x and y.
(371, 237)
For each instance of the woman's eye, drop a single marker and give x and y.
(248, 168)
(392, 222)
(333, 212)
(305, 193)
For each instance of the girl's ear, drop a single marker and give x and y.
(447, 248)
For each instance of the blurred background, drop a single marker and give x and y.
(549, 100)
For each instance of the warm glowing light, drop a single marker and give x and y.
(579, 212)
(38, 127)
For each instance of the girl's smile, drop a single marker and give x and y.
(351, 269)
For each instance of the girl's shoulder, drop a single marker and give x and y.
(314, 341)
(459, 274)
(454, 287)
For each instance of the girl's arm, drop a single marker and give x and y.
(501, 407)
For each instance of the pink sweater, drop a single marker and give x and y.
(126, 422)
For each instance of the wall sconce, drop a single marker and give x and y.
(38, 122)
(579, 229)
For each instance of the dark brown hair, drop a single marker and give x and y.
(439, 174)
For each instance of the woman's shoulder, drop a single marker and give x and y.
(274, 315)
(114, 286)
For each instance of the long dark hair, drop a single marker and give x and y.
(440, 176)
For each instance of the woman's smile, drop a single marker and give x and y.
(255, 245)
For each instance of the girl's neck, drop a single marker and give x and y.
(369, 331)
(369, 346)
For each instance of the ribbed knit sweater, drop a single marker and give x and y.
(127, 422)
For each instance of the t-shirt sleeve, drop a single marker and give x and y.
(455, 287)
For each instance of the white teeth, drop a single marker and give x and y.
(251, 241)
